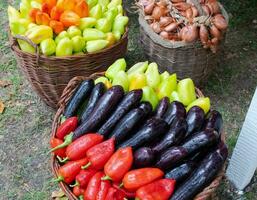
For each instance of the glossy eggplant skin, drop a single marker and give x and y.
(200, 140)
(214, 121)
(144, 157)
(130, 100)
(162, 107)
(152, 128)
(181, 172)
(79, 96)
(175, 110)
(97, 92)
(171, 158)
(174, 136)
(146, 107)
(203, 175)
(101, 112)
(195, 120)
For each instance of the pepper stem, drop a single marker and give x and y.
(121, 185)
(63, 160)
(106, 178)
(58, 179)
(86, 166)
(74, 185)
(63, 118)
(137, 198)
(67, 141)
(81, 197)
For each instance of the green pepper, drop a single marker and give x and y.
(48, 47)
(26, 47)
(137, 81)
(111, 14)
(120, 23)
(64, 47)
(104, 25)
(202, 102)
(78, 43)
(93, 34)
(152, 76)
(19, 26)
(174, 97)
(105, 81)
(114, 3)
(138, 68)
(87, 22)
(164, 76)
(96, 45)
(25, 8)
(73, 31)
(96, 12)
(61, 35)
(13, 14)
(150, 95)
(103, 3)
(35, 4)
(121, 78)
(117, 35)
(39, 33)
(120, 9)
(186, 91)
(91, 3)
(167, 86)
(118, 65)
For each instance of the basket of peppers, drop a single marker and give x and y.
(117, 137)
(56, 40)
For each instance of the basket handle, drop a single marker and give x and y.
(20, 37)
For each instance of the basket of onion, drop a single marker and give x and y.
(183, 36)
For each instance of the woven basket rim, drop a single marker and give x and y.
(67, 93)
(15, 47)
(157, 39)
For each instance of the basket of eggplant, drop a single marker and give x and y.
(113, 141)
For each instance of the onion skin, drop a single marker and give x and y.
(203, 33)
(177, 1)
(195, 11)
(149, 8)
(156, 27)
(158, 12)
(165, 21)
(220, 22)
(214, 6)
(214, 31)
(182, 6)
(190, 33)
(189, 13)
(165, 35)
(171, 27)
(206, 9)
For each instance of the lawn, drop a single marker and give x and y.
(25, 125)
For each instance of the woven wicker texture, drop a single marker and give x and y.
(185, 59)
(49, 75)
(208, 192)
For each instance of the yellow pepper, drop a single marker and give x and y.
(39, 33)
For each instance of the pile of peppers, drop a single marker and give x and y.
(95, 171)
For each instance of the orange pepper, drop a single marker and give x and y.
(32, 14)
(50, 3)
(55, 13)
(42, 18)
(69, 18)
(81, 8)
(65, 4)
(45, 8)
(56, 26)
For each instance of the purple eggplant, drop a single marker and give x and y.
(195, 119)
(203, 175)
(181, 172)
(173, 137)
(146, 107)
(214, 121)
(162, 107)
(144, 157)
(175, 110)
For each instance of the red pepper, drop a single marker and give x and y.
(54, 142)
(119, 164)
(99, 154)
(140, 177)
(77, 191)
(103, 190)
(84, 177)
(93, 186)
(70, 170)
(114, 194)
(127, 194)
(66, 127)
(78, 149)
(157, 190)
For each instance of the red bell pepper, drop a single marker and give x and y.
(84, 176)
(119, 164)
(114, 194)
(103, 190)
(127, 194)
(139, 177)
(99, 154)
(70, 170)
(54, 142)
(77, 191)
(66, 127)
(93, 186)
(158, 190)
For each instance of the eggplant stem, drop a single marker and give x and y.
(67, 141)
(106, 178)
(86, 166)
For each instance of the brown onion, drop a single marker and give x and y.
(171, 27)
(215, 32)
(214, 6)
(164, 34)
(215, 41)
(156, 27)
(189, 13)
(201, 1)
(177, 1)
(174, 36)
(183, 13)
(182, 6)
(195, 11)
(206, 9)
(203, 33)
(220, 22)
(190, 33)
(149, 8)
(158, 12)
(164, 21)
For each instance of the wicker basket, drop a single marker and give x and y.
(185, 59)
(208, 192)
(50, 75)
